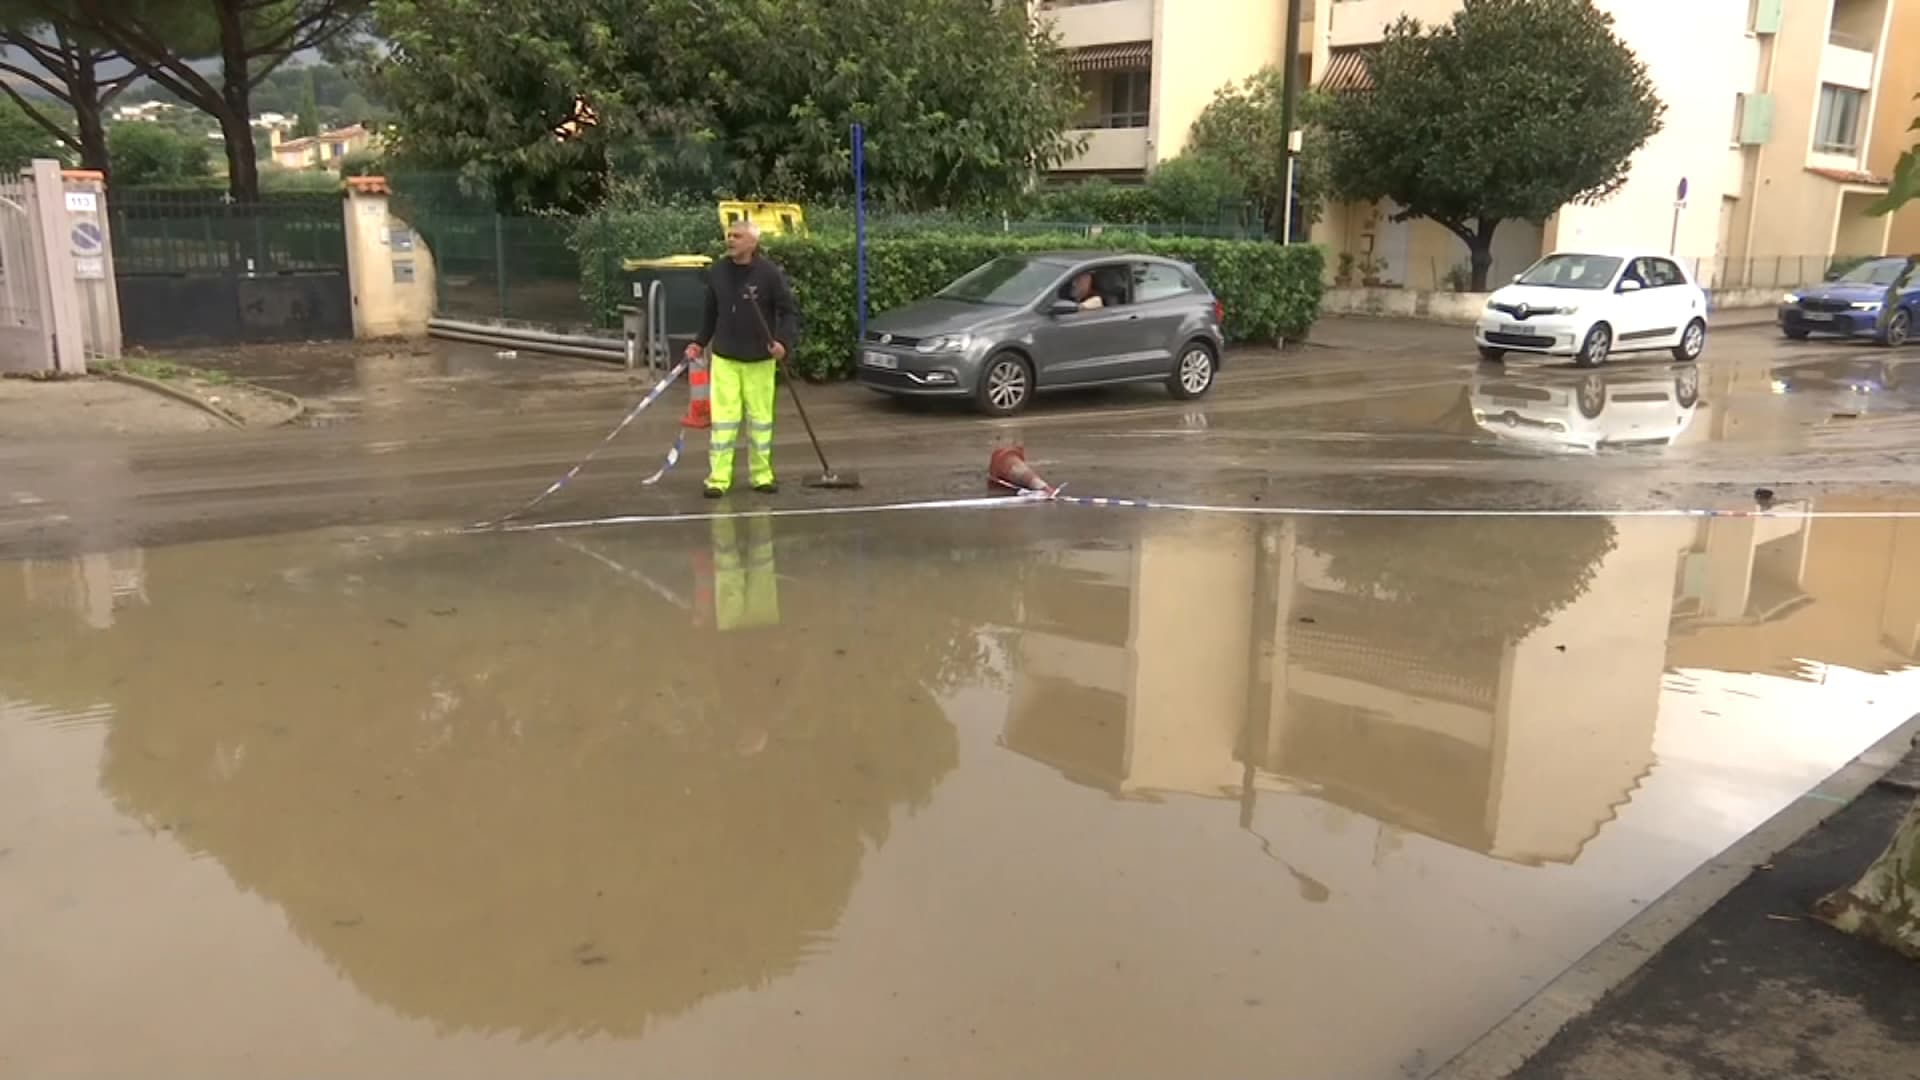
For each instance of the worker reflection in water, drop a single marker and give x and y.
(746, 597)
(746, 590)
(750, 325)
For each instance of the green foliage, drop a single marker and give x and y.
(1472, 585)
(22, 139)
(1269, 291)
(1510, 111)
(147, 155)
(961, 101)
(1242, 129)
(307, 120)
(1192, 189)
(1905, 187)
(275, 179)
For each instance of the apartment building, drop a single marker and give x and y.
(1782, 118)
(1770, 106)
(1149, 67)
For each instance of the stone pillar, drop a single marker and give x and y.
(390, 270)
(90, 237)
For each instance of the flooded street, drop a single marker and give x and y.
(299, 780)
(1048, 791)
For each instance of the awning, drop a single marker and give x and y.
(1129, 56)
(1347, 70)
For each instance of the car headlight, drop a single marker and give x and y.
(1866, 305)
(945, 343)
(1790, 298)
(1569, 309)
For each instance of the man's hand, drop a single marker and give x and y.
(693, 351)
(779, 351)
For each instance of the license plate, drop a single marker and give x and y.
(1516, 328)
(1817, 316)
(880, 360)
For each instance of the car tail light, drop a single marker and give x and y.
(1219, 313)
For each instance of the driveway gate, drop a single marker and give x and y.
(195, 268)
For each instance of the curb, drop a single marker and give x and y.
(181, 396)
(297, 404)
(1513, 1041)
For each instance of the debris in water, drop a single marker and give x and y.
(1784, 918)
(1763, 496)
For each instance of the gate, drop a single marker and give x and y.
(40, 325)
(194, 268)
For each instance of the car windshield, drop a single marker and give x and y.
(1572, 272)
(1877, 272)
(1007, 282)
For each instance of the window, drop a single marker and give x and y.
(1659, 273)
(1158, 281)
(1111, 283)
(1116, 99)
(1573, 272)
(1837, 130)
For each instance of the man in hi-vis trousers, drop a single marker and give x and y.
(750, 325)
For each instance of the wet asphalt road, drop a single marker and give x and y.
(296, 783)
(1373, 414)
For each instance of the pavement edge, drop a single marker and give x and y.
(1512, 1042)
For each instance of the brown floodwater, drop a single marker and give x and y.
(931, 795)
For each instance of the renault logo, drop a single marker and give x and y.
(1521, 311)
(886, 339)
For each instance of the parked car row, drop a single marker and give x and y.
(1023, 325)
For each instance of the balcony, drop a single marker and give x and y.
(1102, 22)
(1111, 150)
(1364, 22)
(1844, 65)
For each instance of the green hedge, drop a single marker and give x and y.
(1269, 291)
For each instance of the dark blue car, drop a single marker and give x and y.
(1850, 305)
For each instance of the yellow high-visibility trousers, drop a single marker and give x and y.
(742, 391)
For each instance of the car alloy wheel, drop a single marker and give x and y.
(1593, 352)
(1693, 342)
(1899, 328)
(1006, 385)
(1196, 371)
(1593, 397)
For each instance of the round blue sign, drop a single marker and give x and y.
(87, 239)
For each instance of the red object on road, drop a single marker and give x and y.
(1008, 468)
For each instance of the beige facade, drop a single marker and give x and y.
(1149, 67)
(1897, 90)
(323, 151)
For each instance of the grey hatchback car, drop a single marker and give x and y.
(1031, 323)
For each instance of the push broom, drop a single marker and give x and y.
(827, 477)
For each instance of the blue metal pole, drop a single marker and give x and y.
(860, 223)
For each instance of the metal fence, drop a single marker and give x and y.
(192, 233)
(1771, 271)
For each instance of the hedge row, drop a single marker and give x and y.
(1269, 291)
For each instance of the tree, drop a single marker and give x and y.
(23, 139)
(251, 38)
(145, 155)
(307, 124)
(1241, 127)
(72, 68)
(962, 102)
(1510, 111)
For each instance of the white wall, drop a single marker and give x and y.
(1699, 58)
(1112, 23)
(1363, 22)
(1112, 148)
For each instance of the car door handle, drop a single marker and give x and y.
(1134, 317)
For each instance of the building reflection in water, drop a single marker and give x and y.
(1490, 683)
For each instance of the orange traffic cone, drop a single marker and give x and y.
(1008, 468)
(700, 403)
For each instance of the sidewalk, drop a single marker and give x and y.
(1754, 989)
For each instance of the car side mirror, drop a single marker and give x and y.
(1629, 285)
(1064, 307)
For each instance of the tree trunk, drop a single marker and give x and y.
(88, 113)
(1884, 905)
(1480, 258)
(236, 113)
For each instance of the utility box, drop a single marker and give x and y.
(671, 295)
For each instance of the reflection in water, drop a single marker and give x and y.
(693, 783)
(1609, 406)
